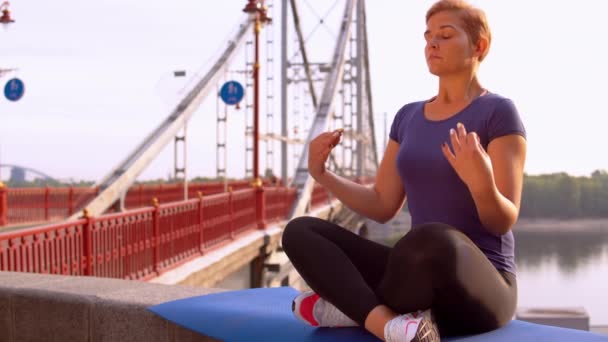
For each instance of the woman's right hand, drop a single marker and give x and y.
(319, 150)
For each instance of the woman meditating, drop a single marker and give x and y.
(458, 158)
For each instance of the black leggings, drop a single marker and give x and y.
(433, 266)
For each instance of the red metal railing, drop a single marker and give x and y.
(243, 210)
(319, 196)
(3, 205)
(32, 205)
(25, 205)
(278, 202)
(56, 249)
(142, 243)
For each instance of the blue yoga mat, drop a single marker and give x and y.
(265, 315)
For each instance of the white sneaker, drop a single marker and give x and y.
(417, 326)
(310, 308)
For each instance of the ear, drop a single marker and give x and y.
(481, 47)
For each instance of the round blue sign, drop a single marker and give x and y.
(14, 89)
(232, 92)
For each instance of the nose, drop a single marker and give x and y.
(433, 43)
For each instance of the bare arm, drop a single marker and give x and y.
(382, 201)
(498, 202)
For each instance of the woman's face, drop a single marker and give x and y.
(448, 48)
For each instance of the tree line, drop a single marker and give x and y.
(556, 195)
(560, 195)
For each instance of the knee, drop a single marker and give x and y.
(433, 244)
(292, 234)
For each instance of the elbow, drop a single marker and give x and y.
(502, 227)
(385, 208)
(386, 216)
(383, 220)
(380, 218)
(377, 216)
(499, 222)
(500, 231)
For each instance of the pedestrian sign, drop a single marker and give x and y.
(14, 89)
(232, 92)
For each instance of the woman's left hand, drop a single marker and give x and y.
(469, 159)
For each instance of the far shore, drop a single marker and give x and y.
(552, 225)
(533, 225)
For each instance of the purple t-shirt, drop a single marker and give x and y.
(434, 191)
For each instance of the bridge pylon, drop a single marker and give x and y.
(347, 78)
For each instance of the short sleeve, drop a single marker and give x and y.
(395, 133)
(505, 120)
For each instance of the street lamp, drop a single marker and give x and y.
(260, 12)
(257, 9)
(6, 14)
(6, 71)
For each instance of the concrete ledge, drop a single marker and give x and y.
(60, 308)
(567, 317)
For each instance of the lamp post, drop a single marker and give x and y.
(5, 18)
(259, 11)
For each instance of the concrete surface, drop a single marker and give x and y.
(37, 307)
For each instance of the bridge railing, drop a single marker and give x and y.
(142, 243)
(24, 205)
(33, 205)
(278, 202)
(319, 196)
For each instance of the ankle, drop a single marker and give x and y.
(318, 312)
(377, 319)
(416, 326)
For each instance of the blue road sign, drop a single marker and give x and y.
(14, 89)
(232, 92)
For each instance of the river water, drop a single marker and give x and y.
(564, 269)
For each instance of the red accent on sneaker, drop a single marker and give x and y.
(306, 308)
(407, 326)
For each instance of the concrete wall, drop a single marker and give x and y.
(60, 308)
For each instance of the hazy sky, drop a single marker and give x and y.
(98, 77)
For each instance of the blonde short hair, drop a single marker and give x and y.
(474, 20)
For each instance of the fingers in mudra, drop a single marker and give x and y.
(467, 157)
(321, 147)
(327, 139)
(461, 142)
(334, 138)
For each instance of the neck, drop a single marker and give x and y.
(458, 88)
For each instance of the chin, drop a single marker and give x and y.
(435, 71)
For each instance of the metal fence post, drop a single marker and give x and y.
(231, 212)
(3, 205)
(71, 201)
(201, 238)
(140, 202)
(156, 225)
(87, 244)
(260, 205)
(46, 203)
